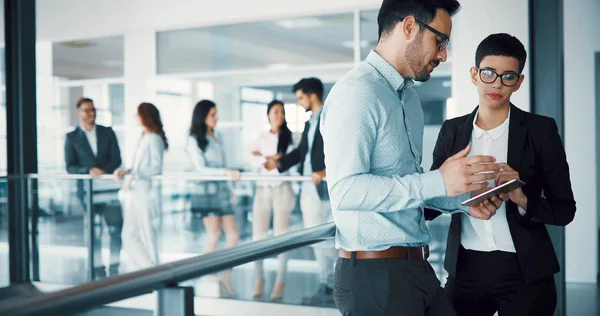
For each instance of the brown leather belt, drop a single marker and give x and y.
(411, 253)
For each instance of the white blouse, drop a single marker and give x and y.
(266, 145)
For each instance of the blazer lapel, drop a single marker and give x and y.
(463, 135)
(517, 132)
(304, 141)
(101, 139)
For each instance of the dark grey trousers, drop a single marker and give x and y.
(389, 287)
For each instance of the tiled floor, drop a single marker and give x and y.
(583, 299)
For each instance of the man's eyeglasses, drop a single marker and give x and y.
(443, 43)
(509, 79)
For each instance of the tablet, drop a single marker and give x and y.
(504, 188)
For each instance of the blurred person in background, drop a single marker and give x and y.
(140, 195)
(314, 197)
(94, 150)
(214, 200)
(274, 198)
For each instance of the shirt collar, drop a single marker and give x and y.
(317, 115)
(93, 131)
(391, 75)
(494, 133)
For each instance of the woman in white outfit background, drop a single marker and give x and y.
(273, 198)
(142, 196)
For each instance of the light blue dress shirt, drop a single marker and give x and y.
(372, 126)
(312, 129)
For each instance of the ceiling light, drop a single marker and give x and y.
(278, 66)
(303, 23)
(78, 44)
(363, 44)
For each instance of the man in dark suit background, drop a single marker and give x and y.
(93, 149)
(314, 198)
(506, 264)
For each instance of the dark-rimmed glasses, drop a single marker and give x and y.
(443, 43)
(509, 79)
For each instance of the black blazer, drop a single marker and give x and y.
(317, 157)
(80, 158)
(535, 150)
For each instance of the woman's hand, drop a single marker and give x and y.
(233, 174)
(507, 173)
(119, 174)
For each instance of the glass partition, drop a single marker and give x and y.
(175, 218)
(4, 259)
(276, 44)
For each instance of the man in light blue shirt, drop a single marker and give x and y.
(372, 126)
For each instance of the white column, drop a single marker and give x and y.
(227, 98)
(140, 69)
(46, 98)
(475, 21)
(581, 31)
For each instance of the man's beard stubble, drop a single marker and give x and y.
(414, 55)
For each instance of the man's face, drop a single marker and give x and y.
(304, 100)
(423, 53)
(492, 92)
(87, 113)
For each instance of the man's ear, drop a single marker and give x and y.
(409, 27)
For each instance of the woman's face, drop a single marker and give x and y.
(212, 118)
(276, 116)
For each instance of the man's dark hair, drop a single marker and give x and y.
(501, 44)
(394, 11)
(83, 100)
(310, 85)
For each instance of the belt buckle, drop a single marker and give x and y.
(425, 252)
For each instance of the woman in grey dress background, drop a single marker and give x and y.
(212, 199)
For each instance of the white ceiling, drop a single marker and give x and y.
(89, 58)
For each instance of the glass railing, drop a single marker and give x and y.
(185, 207)
(83, 233)
(294, 277)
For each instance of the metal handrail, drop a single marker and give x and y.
(87, 296)
(188, 176)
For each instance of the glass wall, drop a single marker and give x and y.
(242, 67)
(4, 260)
(56, 121)
(316, 40)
